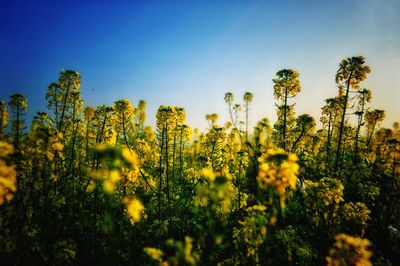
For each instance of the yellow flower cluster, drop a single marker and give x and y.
(167, 117)
(145, 151)
(191, 258)
(259, 208)
(149, 133)
(220, 195)
(154, 253)
(111, 175)
(55, 146)
(328, 190)
(252, 231)
(7, 174)
(131, 158)
(110, 179)
(322, 199)
(183, 253)
(5, 149)
(134, 209)
(113, 178)
(349, 250)
(356, 213)
(208, 174)
(278, 170)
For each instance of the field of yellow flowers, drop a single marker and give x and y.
(95, 186)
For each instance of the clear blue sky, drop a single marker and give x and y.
(189, 53)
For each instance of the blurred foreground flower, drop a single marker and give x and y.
(134, 208)
(349, 250)
(7, 174)
(278, 170)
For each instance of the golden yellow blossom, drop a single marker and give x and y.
(134, 208)
(208, 174)
(7, 174)
(110, 179)
(7, 182)
(279, 170)
(114, 176)
(5, 149)
(108, 186)
(219, 196)
(260, 208)
(349, 250)
(184, 253)
(129, 157)
(154, 253)
(189, 258)
(328, 190)
(57, 146)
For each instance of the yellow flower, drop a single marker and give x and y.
(278, 170)
(57, 146)
(7, 182)
(129, 156)
(349, 250)
(114, 176)
(264, 167)
(131, 175)
(109, 186)
(5, 149)
(154, 253)
(208, 174)
(50, 155)
(134, 209)
(110, 179)
(260, 208)
(190, 259)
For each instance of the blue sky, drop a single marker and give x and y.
(189, 53)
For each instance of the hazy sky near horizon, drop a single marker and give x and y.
(189, 53)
